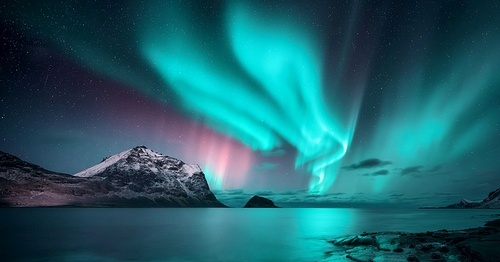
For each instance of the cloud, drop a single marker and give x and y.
(228, 192)
(232, 197)
(445, 194)
(294, 192)
(411, 170)
(368, 163)
(301, 195)
(435, 168)
(265, 166)
(336, 194)
(265, 193)
(381, 172)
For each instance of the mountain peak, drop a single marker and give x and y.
(135, 177)
(141, 158)
(143, 149)
(491, 201)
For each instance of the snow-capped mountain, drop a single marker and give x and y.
(136, 177)
(491, 201)
(141, 172)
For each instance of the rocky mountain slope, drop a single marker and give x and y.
(491, 201)
(138, 177)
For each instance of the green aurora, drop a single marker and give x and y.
(337, 86)
(275, 95)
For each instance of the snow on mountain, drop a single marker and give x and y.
(141, 170)
(491, 201)
(104, 164)
(142, 157)
(135, 177)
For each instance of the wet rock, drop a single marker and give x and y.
(427, 247)
(457, 240)
(444, 249)
(356, 241)
(436, 256)
(475, 244)
(362, 258)
(493, 223)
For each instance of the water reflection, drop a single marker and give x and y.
(204, 234)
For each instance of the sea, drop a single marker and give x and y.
(205, 234)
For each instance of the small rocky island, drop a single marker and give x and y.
(260, 202)
(474, 244)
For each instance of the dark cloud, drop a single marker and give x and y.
(336, 194)
(411, 170)
(445, 194)
(381, 172)
(293, 192)
(301, 195)
(368, 163)
(232, 197)
(435, 168)
(229, 192)
(265, 193)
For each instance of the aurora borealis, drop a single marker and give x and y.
(308, 101)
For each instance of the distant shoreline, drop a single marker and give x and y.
(461, 208)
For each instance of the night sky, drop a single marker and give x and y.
(310, 103)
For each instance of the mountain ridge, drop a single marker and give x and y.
(138, 177)
(492, 201)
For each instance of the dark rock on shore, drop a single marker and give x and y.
(474, 244)
(260, 202)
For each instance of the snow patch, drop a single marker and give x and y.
(104, 164)
(191, 169)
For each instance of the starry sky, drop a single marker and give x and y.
(310, 103)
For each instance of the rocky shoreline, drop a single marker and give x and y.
(474, 244)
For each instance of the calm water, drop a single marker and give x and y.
(117, 234)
